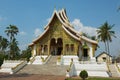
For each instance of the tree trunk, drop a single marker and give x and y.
(105, 47)
(83, 78)
(108, 51)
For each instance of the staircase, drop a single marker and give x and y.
(52, 60)
(114, 71)
(50, 68)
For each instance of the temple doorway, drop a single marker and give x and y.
(56, 46)
(85, 55)
(85, 52)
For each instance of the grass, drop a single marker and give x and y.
(94, 78)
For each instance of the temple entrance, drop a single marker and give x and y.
(56, 46)
(85, 55)
(85, 52)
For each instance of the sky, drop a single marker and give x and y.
(31, 16)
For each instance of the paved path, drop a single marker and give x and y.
(47, 69)
(30, 77)
(114, 70)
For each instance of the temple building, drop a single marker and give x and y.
(60, 38)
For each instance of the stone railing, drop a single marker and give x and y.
(32, 60)
(12, 66)
(46, 59)
(118, 66)
(108, 69)
(19, 66)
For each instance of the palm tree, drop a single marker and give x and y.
(101, 35)
(14, 48)
(105, 34)
(109, 34)
(11, 31)
(3, 43)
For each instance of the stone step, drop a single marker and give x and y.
(49, 68)
(52, 60)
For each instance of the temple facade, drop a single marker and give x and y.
(60, 38)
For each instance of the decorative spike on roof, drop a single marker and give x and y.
(61, 14)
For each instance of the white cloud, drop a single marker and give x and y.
(22, 33)
(78, 25)
(37, 32)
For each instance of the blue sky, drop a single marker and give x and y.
(30, 16)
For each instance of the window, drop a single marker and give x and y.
(67, 47)
(104, 59)
(72, 47)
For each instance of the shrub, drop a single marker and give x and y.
(83, 74)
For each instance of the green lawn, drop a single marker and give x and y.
(94, 79)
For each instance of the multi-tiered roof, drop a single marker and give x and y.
(61, 15)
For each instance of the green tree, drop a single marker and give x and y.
(105, 35)
(14, 49)
(101, 35)
(83, 74)
(26, 53)
(3, 44)
(1, 59)
(11, 31)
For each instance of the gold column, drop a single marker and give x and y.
(93, 50)
(37, 48)
(63, 48)
(69, 50)
(49, 47)
(75, 52)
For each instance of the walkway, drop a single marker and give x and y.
(49, 68)
(114, 70)
(30, 77)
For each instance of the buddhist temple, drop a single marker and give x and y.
(60, 38)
